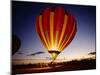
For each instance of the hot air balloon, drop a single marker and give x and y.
(56, 28)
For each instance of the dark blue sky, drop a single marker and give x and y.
(23, 25)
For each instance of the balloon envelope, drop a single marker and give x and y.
(56, 28)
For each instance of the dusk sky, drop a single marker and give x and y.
(24, 26)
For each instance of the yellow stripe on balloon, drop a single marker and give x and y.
(69, 38)
(63, 30)
(41, 30)
(56, 40)
(64, 41)
(47, 37)
(51, 29)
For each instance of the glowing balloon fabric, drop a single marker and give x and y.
(56, 28)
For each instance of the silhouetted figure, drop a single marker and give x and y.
(16, 43)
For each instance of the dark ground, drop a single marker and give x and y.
(84, 64)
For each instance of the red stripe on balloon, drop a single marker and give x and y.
(58, 20)
(46, 19)
(69, 28)
(72, 37)
(46, 23)
(38, 30)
